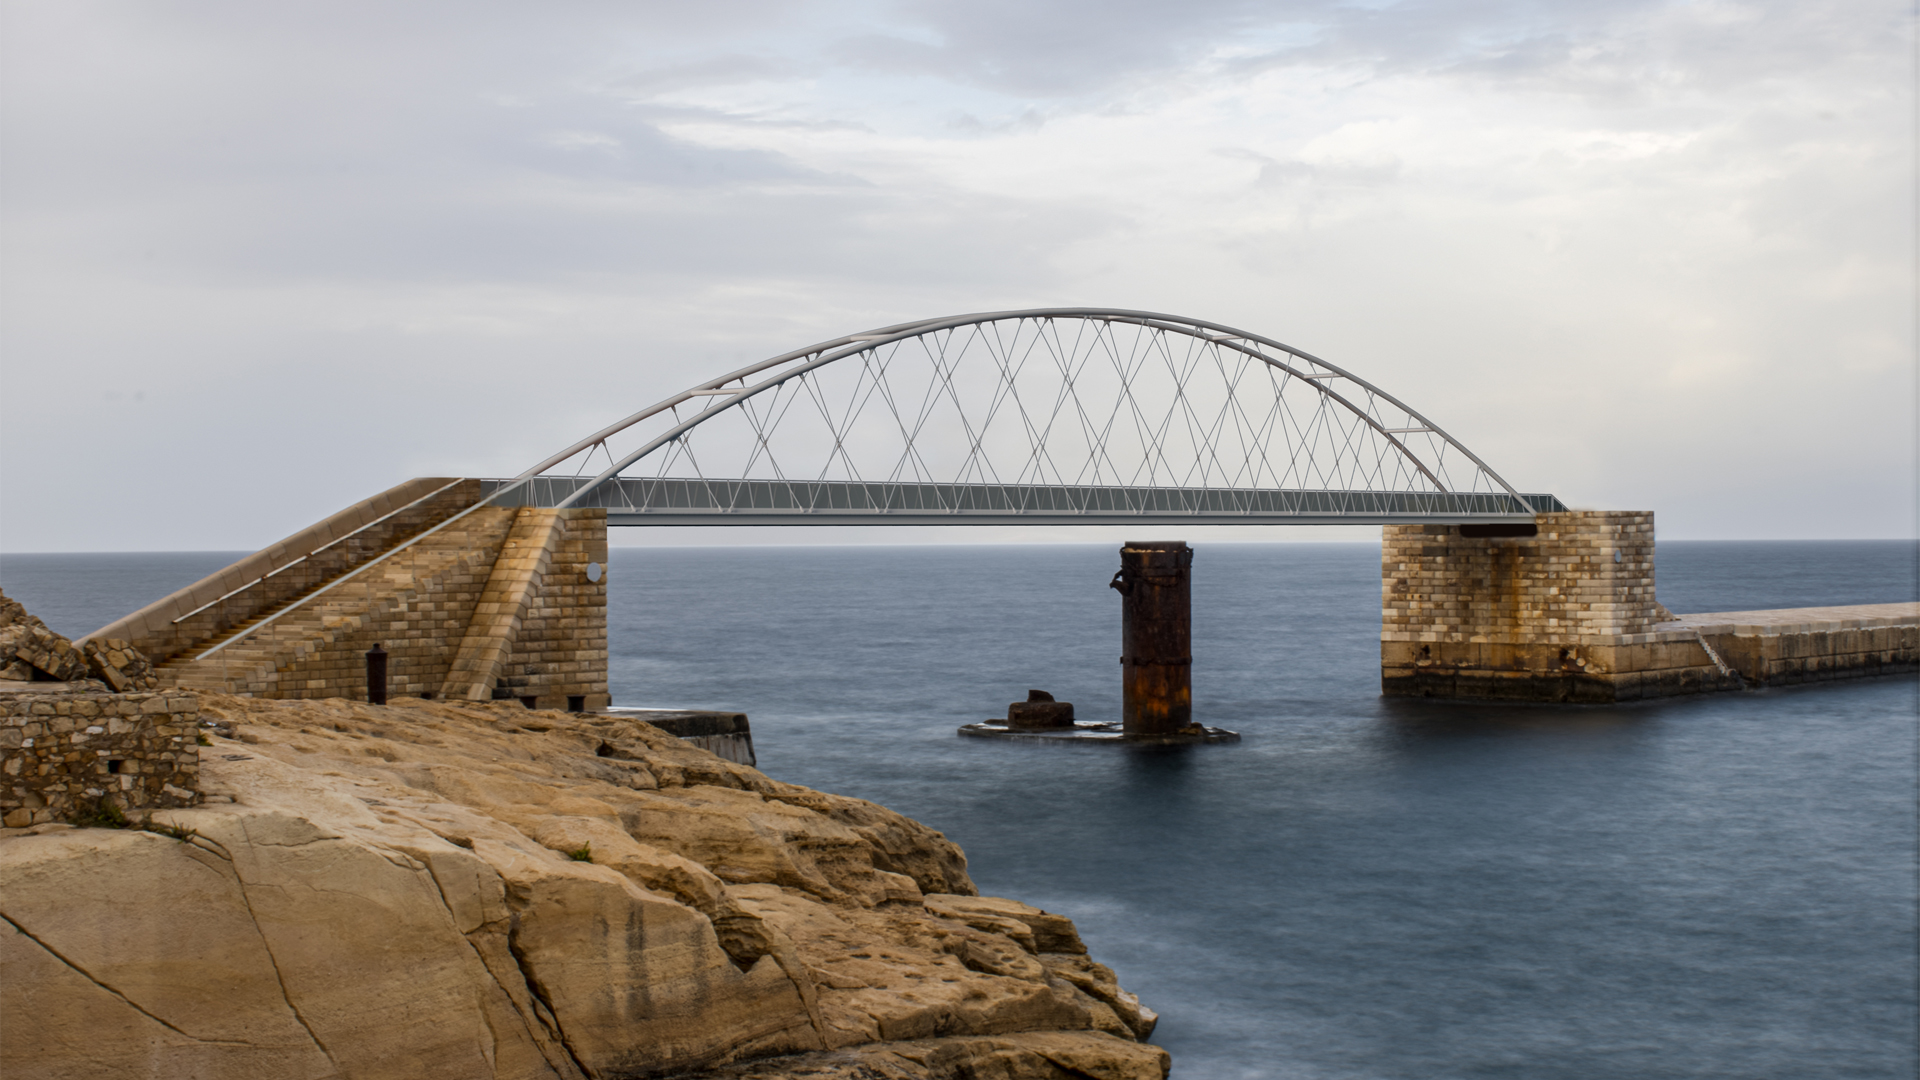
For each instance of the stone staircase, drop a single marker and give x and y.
(307, 646)
(469, 600)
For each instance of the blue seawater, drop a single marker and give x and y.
(1364, 888)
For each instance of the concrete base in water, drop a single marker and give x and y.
(725, 734)
(1091, 733)
(1687, 654)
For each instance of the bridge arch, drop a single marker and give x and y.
(1051, 415)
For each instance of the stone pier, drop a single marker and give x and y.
(1568, 614)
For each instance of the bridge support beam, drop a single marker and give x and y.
(1156, 636)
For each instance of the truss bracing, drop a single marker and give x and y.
(1053, 416)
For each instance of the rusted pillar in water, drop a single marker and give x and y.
(1156, 636)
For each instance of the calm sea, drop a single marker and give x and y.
(1367, 889)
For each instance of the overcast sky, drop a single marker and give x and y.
(264, 260)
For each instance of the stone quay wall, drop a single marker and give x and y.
(68, 753)
(1569, 615)
(1797, 645)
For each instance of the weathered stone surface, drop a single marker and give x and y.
(29, 651)
(1053, 1055)
(1043, 932)
(477, 890)
(117, 663)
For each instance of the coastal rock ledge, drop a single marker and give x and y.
(480, 890)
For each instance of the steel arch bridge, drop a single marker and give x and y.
(1050, 416)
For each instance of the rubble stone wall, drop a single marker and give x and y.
(68, 753)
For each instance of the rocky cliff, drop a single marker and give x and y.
(435, 890)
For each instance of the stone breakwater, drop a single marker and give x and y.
(1567, 613)
(479, 890)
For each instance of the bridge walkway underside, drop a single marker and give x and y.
(680, 501)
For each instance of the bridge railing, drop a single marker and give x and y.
(657, 500)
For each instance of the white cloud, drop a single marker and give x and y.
(1640, 254)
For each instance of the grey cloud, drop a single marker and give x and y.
(1050, 50)
(286, 200)
(1609, 48)
(728, 70)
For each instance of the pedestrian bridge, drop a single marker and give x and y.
(497, 588)
(1056, 416)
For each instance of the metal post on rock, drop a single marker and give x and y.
(376, 675)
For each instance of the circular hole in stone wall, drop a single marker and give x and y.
(593, 571)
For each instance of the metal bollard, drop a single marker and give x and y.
(1156, 636)
(377, 675)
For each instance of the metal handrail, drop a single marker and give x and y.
(290, 564)
(365, 566)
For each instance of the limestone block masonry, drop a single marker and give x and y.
(471, 603)
(1570, 615)
(63, 753)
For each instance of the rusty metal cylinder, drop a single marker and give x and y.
(377, 675)
(1156, 636)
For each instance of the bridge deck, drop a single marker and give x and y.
(652, 501)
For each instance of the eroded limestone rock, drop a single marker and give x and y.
(1051, 1055)
(476, 890)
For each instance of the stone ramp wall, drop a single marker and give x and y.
(538, 625)
(425, 605)
(178, 623)
(527, 560)
(412, 605)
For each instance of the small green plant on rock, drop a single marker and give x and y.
(203, 740)
(103, 813)
(583, 853)
(99, 814)
(178, 832)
